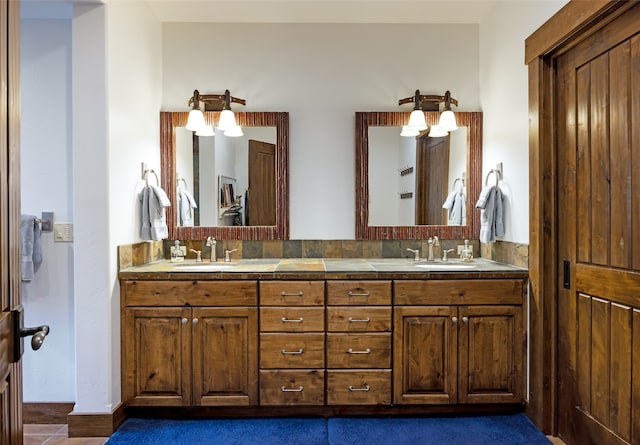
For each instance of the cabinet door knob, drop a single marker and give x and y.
(194, 321)
(465, 319)
(184, 321)
(454, 319)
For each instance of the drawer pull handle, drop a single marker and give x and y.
(361, 320)
(359, 294)
(298, 352)
(291, 294)
(351, 351)
(365, 388)
(285, 389)
(288, 320)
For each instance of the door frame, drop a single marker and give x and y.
(575, 21)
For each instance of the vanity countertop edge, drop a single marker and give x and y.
(321, 268)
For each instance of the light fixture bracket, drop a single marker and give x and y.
(214, 102)
(429, 102)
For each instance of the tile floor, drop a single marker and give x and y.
(56, 435)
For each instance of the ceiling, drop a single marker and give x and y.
(293, 11)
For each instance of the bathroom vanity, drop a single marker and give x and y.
(323, 333)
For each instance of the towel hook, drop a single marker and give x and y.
(495, 172)
(146, 177)
(186, 186)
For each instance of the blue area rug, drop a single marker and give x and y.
(494, 430)
(479, 430)
(264, 431)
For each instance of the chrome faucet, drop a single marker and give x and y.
(432, 242)
(416, 254)
(211, 242)
(227, 257)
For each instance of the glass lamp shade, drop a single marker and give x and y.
(205, 130)
(406, 132)
(437, 132)
(448, 121)
(227, 120)
(195, 121)
(417, 121)
(234, 132)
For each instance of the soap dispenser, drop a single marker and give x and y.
(178, 252)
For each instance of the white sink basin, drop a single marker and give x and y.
(446, 266)
(203, 267)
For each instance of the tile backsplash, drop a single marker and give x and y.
(148, 251)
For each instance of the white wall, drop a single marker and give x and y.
(321, 74)
(504, 100)
(116, 79)
(46, 185)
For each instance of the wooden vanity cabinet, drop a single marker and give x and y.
(186, 343)
(359, 342)
(458, 341)
(292, 343)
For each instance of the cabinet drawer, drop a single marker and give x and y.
(292, 319)
(292, 293)
(358, 319)
(458, 292)
(291, 351)
(190, 293)
(359, 350)
(359, 387)
(358, 293)
(292, 387)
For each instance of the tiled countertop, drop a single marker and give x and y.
(323, 268)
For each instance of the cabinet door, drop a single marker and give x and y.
(157, 356)
(490, 354)
(425, 342)
(225, 356)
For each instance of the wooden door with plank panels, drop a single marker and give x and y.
(10, 364)
(598, 158)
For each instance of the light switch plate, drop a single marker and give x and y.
(461, 246)
(63, 232)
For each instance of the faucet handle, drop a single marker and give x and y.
(444, 254)
(227, 254)
(198, 255)
(416, 253)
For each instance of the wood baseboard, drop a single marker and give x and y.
(46, 412)
(95, 424)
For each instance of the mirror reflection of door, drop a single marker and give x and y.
(261, 196)
(432, 179)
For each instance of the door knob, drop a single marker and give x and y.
(38, 335)
(19, 332)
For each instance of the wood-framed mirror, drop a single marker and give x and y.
(367, 228)
(216, 183)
